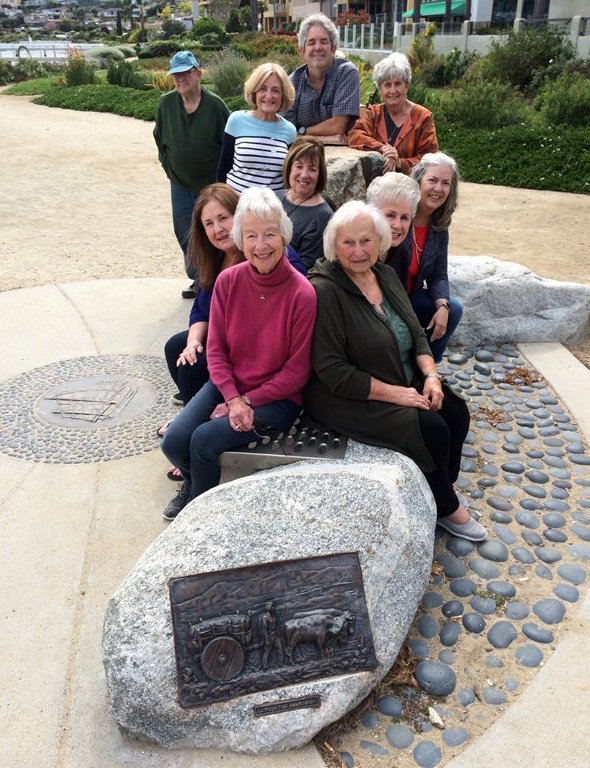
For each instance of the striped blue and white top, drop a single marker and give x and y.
(253, 151)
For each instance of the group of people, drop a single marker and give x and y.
(342, 313)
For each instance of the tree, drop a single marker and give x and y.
(119, 24)
(219, 10)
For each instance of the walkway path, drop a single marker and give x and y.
(71, 528)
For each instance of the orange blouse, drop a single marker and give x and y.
(417, 135)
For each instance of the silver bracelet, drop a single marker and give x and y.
(433, 375)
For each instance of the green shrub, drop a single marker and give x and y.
(103, 55)
(128, 51)
(210, 40)
(565, 101)
(204, 27)
(521, 58)
(78, 72)
(482, 105)
(236, 102)
(24, 69)
(104, 98)
(227, 73)
(159, 48)
(125, 75)
(262, 46)
(520, 156)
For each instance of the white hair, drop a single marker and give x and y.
(264, 204)
(344, 215)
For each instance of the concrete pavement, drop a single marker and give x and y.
(70, 532)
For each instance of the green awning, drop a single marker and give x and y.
(438, 9)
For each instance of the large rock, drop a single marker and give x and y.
(505, 302)
(350, 172)
(382, 511)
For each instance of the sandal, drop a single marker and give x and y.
(174, 474)
(163, 428)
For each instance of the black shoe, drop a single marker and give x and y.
(179, 502)
(191, 291)
(177, 399)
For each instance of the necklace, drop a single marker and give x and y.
(419, 250)
(305, 199)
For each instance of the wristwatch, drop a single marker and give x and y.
(301, 129)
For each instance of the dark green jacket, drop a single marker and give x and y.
(350, 344)
(189, 146)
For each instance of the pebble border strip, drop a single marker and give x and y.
(526, 469)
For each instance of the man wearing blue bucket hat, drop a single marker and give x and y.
(189, 129)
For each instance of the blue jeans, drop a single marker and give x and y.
(194, 442)
(183, 202)
(425, 309)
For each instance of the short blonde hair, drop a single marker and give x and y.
(264, 204)
(262, 73)
(387, 189)
(347, 213)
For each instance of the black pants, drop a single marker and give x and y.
(444, 433)
(188, 378)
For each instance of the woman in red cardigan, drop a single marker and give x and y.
(401, 130)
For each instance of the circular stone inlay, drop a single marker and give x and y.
(85, 410)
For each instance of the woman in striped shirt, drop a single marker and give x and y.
(256, 141)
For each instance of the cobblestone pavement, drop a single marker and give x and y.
(495, 611)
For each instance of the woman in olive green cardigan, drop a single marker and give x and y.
(374, 378)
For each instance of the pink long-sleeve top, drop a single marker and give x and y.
(260, 330)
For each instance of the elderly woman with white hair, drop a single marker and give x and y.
(401, 130)
(258, 353)
(374, 378)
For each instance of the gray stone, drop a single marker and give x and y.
(549, 610)
(572, 573)
(529, 655)
(390, 706)
(399, 736)
(435, 677)
(502, 634)
(546, 310)
(350, 172)
(385, 512)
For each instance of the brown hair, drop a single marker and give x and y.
(306, 146)
(201, 252)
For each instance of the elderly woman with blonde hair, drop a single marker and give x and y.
(399, 129)
(256, 141)
(374, 378)
(258, 350)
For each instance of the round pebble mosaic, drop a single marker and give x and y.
(85, 410)
(494, 611)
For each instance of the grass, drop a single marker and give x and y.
(103, 98)
(33, 87)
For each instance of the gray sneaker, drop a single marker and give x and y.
(179, 502)
(472, 530)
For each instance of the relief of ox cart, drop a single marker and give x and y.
(222, 644)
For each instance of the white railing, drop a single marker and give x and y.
(385, 37)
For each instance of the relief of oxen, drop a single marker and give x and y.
(320, 627)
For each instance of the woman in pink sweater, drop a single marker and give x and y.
(259, 350)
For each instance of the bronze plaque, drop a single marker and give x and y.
(265, 626)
